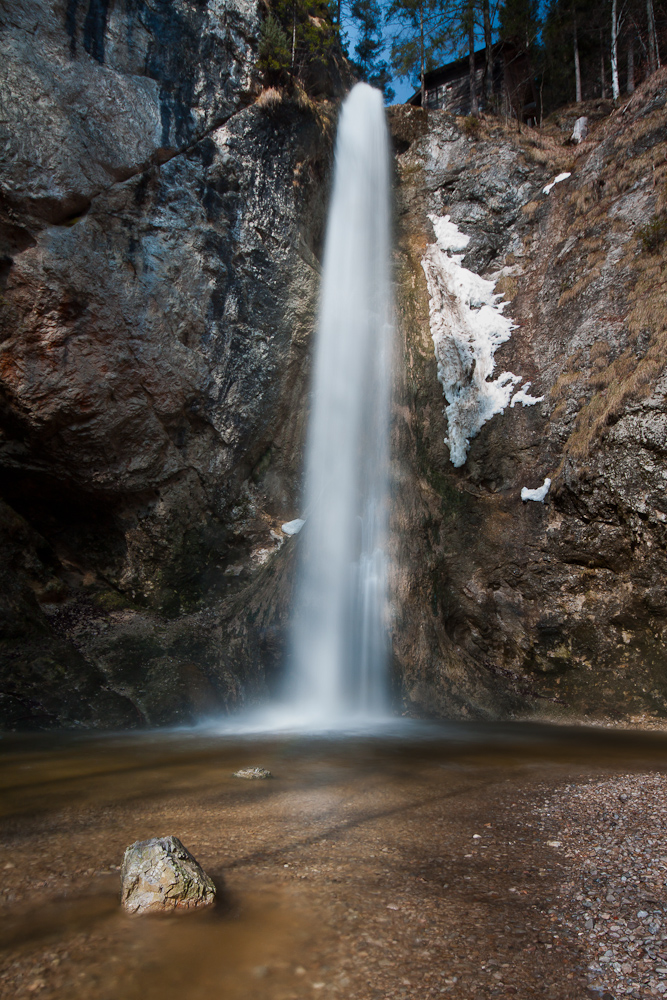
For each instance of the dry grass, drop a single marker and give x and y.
(585, 198)
(608, 387)
(507, 286)
(270, 98)
(564, 385)
(628, 378)
(538, 155)
(530, 208)
(599, 350)
(579, 287)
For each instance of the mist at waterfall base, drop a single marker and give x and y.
(337, 663)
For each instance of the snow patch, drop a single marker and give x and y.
(293, 527)
(556, 180)
(538, 494)
(523, 396)
(467, 327)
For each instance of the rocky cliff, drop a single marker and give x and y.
(555, 608)
(161, 221)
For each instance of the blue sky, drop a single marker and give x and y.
(405, 88)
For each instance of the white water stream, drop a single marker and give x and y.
(339, 632)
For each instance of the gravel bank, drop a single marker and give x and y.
(612, 833)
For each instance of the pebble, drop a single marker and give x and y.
(252, 773)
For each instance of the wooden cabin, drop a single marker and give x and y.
(513, 91)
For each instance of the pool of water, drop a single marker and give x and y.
(328, 873)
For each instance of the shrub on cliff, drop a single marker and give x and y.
(274, 53)
(298, 40)
(654, 234)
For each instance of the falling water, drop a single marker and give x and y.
(339, 635)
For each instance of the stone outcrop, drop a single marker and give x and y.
(161, 220)
(160, 230)
(161, 876)
(553, 609)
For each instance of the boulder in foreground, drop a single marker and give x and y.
(160, 875)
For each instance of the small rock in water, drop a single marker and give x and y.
(160, 876)
(253, 773)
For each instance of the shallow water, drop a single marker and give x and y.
(326, 873)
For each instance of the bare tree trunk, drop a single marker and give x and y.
(653, 51)
(488, 44)
(421, 53)
(577, 64)
(630, 84)
(474, 107)
(615, 88)
(293, 34)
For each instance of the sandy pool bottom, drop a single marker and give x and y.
(364, 869)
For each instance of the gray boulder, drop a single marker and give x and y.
(160, 875)
(580, 130)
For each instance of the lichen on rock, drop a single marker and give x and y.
(161, 876)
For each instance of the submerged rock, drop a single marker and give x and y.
(252, 773)
(160, 875)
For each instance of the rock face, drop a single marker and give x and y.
(161, 876)
(553, 609)
(160, 228)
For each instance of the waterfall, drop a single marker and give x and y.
(339, 630)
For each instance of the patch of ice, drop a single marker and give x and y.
(524, 397)
(467, 327)
(538, 494)
(556, 180)
(293, 527)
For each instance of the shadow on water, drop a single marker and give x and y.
(293, 857)
(39, 772)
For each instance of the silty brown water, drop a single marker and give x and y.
(399, 865)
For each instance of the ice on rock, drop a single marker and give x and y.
(467, 327)
(293, 527)
(538, 494)
(523, 396)
(557, 180)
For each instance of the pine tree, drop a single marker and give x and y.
(520, 24)
(274, 53)
(369, 63)
(311, 36)
(423, 32)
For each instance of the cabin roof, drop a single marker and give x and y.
(451, 71)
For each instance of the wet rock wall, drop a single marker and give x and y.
(553, 610)
(160, 236)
